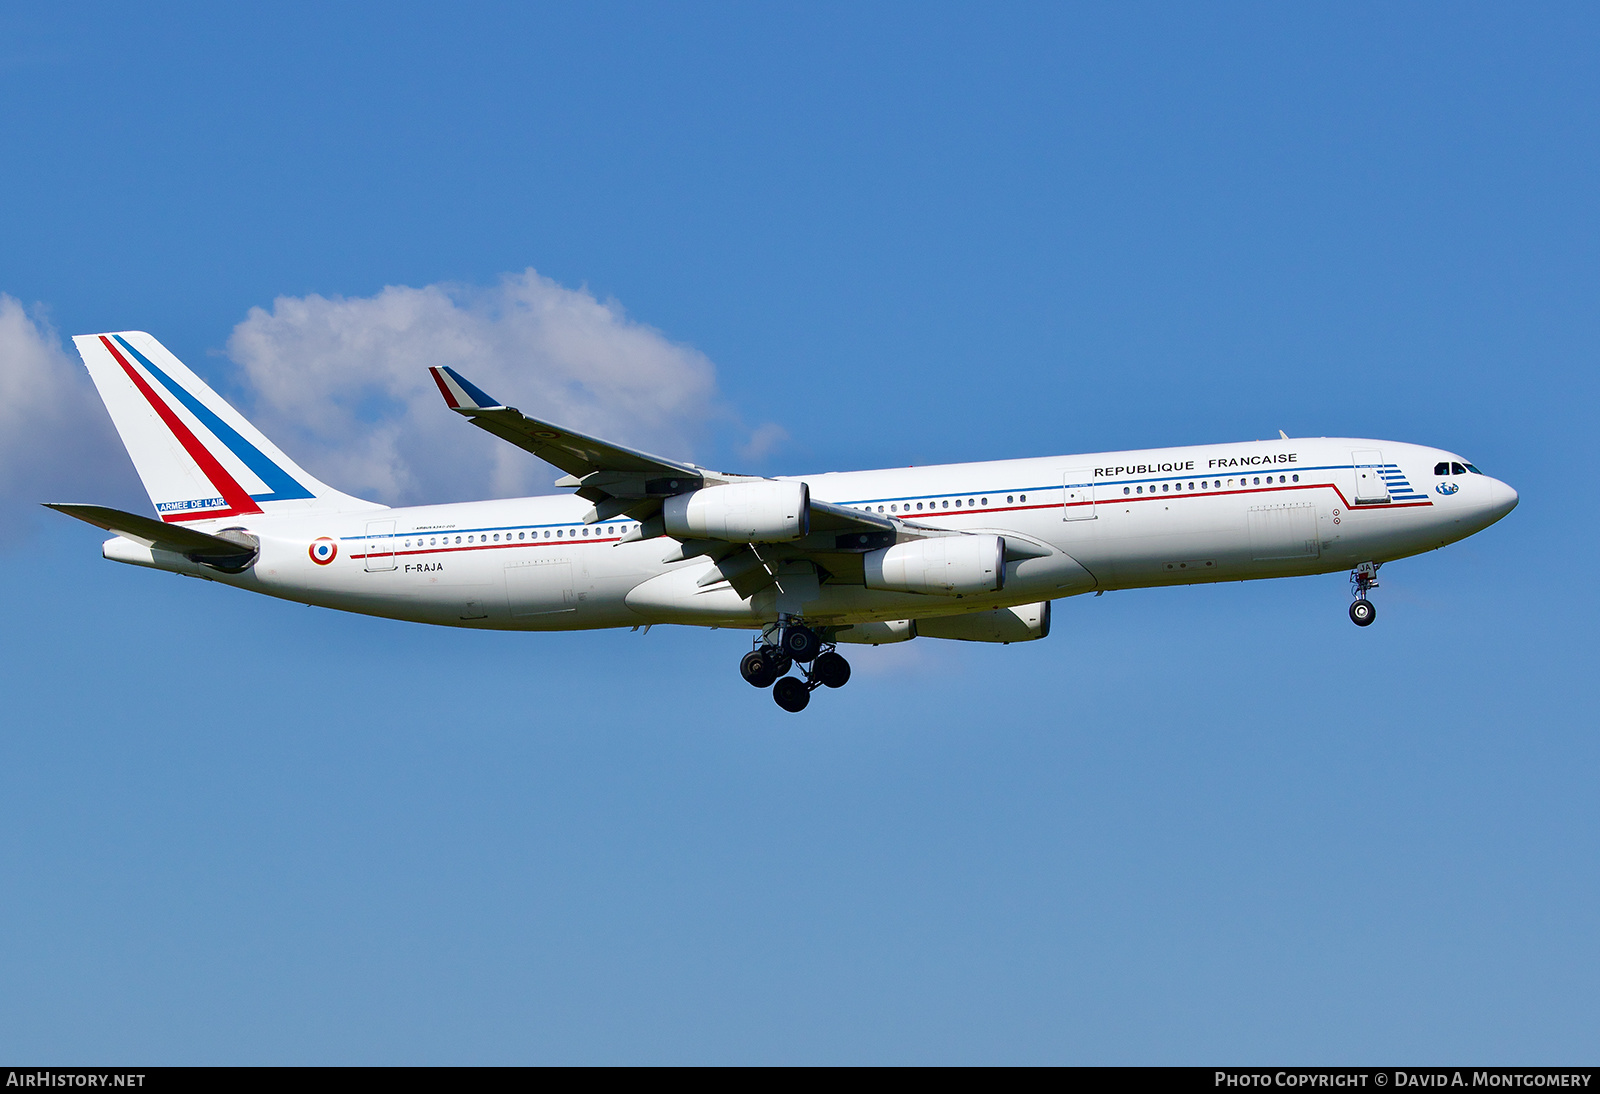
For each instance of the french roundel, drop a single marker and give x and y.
(323, 551)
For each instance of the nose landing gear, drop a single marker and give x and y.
(1363, 579)
(780, 648)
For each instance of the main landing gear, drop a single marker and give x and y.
(780, 648)
(1363, 579)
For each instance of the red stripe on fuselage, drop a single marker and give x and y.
(951, 513)
(236, 496)
(913, 516)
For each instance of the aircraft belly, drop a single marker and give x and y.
(676, 597)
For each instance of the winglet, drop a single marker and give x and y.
(459, 393)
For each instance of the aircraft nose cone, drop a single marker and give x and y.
(1502, 499)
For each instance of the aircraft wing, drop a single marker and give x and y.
(620, 480)
(624, 481)
(583, 457)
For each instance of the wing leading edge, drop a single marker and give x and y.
(623, 481)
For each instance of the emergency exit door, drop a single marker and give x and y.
(1371, 487)
(379, 545)
(1077, 498)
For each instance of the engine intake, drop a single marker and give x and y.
(945, 566)
(743, 512)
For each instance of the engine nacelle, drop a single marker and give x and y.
(946, 566)
(743, 512)
(1024, 623)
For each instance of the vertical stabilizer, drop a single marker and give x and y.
(198, 458)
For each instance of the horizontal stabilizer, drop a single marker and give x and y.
(228, 555)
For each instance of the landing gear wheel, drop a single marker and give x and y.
(1362, 613)
(831, 670)
(802, 643)
(792, 694)
(781, 662)
(759, 671)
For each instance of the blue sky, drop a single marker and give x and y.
(1192, 826)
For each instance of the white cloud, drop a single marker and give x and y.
(341, 383)
(56, 441)
(764, 440)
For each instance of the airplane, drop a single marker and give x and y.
(972, 552)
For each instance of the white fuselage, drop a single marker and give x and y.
(1101, 521)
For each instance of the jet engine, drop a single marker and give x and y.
(945, 565)
(743, 512)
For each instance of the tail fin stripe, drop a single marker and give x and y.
(281, 485)
(234, 495)
(459, 392)
(450, 399)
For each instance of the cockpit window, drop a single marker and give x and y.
(1457, 469)
(1474, 470)
(1442, 468)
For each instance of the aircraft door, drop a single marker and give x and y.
(1077, 498)
(1371, 487)
(540, 586)
(379, 546)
